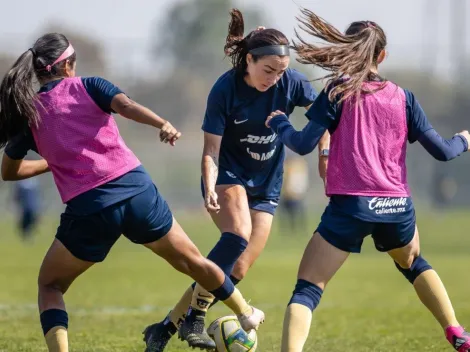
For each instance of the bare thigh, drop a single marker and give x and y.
(234, 215)
(320, 261)
(405, 256)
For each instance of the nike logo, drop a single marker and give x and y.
(230, 174)
(273, 203)
(236, 122)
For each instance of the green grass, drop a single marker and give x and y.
(368, 306)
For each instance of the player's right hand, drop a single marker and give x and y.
(211, 202)
(169, 134)
(466, 135)
(271, 116)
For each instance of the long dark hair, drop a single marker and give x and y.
(351, 55)
(17, 96)
(237, 46)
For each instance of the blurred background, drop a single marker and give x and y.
(167, 54)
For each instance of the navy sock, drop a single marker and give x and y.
(234, 280)
(225, 254)
(419, 266)
(227, 251)
(307, 294)
(224, 291)
(221, 294)
(53, 317)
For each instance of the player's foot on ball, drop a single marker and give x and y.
(458, 338)
(193, 331)
(252, 320)
(156, 336)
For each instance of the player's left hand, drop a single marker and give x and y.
(270, 117)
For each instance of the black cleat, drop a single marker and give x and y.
(194, 332)
(156, 336)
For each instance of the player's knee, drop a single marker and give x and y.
(53, 285)
(307, 294)
(241, 269)
(405, 263)
(242, 230)
(412, 268)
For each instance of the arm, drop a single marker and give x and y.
(419, 129)
(213, 127)
(210, 169)
(14, 170)
(14, 167)
(321, 115)
(324, 143)
(128, 108)
(323, 146)
(323, 150)
(111, 98)
(443, 149)
(301, 142)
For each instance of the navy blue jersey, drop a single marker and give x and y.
(238, 112)
(134, 182)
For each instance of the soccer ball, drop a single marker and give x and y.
(230, 337)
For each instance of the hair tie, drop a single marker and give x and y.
(32, 51)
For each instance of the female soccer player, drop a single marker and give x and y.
(106, 189)
(242, 163)
(370, 120)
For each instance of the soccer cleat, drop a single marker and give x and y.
(156, 336)
(194, 332)
(458, 338)
(252, 321)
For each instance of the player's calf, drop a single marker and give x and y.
(225, 254)
(298, 316)
(193, 329)
(433, 295)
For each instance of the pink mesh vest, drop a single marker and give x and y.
(80, 142)
(368, 148)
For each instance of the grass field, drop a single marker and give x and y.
(369, 306)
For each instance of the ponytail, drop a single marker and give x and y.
(349, 57)
(17, 108)
(46, 61)
(237, 46)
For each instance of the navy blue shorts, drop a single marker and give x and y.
(347, 232)
(143, 218)
(266, 205)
